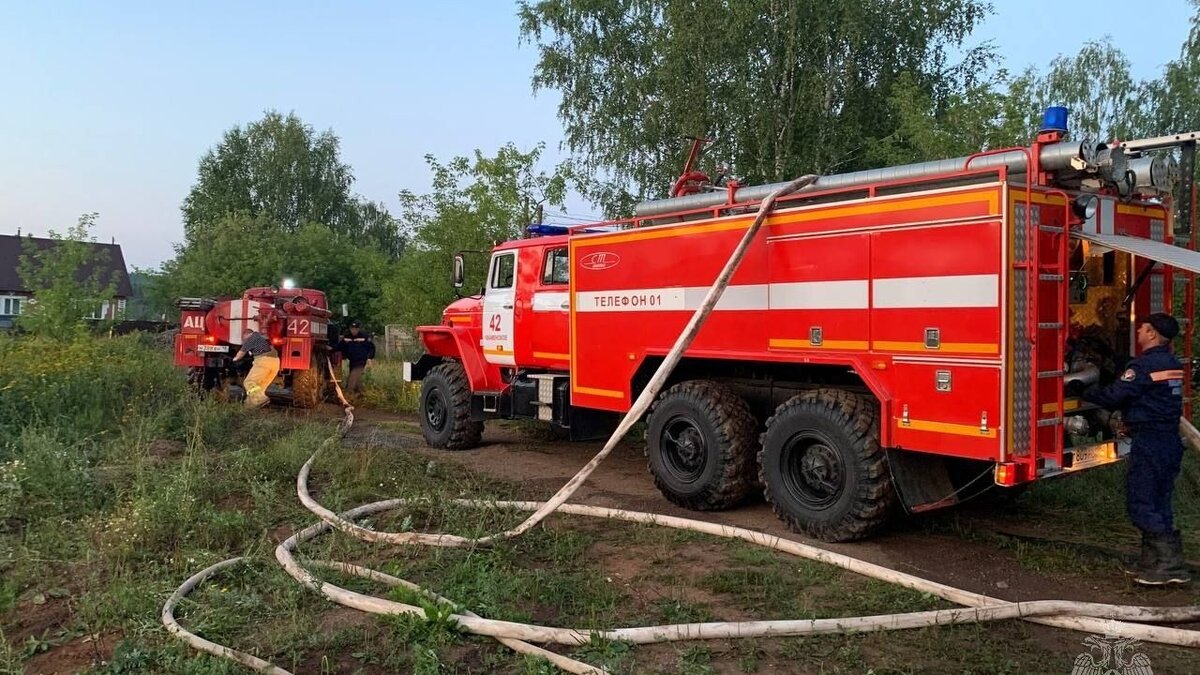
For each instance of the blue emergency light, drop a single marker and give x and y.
(544, 230)
(1054, 119)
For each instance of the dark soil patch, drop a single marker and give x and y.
(341, 618)
(40, 620)
(240, 502)
(164, 448)
(281, 532)
(337, 662)
(74, 656)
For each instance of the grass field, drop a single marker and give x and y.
(385, 388)
(116, 484)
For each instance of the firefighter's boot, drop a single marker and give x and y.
(1137, 563)
(1168, 567)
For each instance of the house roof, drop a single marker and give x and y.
(111, 267)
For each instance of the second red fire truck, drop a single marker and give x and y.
(901, 336)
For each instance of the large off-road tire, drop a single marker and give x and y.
(822, 468)
(308, 386)
(700, 441)
(446, 409)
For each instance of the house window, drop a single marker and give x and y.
(11, 306)
(99, 313)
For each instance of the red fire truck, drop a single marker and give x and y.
(905, 335)
(296, 320)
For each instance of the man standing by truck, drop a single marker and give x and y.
(264, 370)
(359, 351)
(1149, 395)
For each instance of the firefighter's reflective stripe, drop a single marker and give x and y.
(1162, 375)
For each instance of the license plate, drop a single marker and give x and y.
(212, 348)
(1090, 455)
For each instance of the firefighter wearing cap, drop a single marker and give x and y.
(264, 370)
(359, 351)
(1149, 395)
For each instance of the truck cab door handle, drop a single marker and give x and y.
(508, 306)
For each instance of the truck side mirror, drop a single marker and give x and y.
(459, 271)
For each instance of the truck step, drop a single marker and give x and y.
(545, 383)
(1050, 277)
(1049, 422)
(1050, 228)
(1053, 325)
(1044, 374)
(491, 403)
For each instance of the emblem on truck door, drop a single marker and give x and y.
(600, 260)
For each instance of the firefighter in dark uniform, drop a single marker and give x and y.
(359, 350)
(1149, 395)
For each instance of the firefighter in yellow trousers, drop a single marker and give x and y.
(264, 370)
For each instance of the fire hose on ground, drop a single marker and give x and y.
(1126, 621)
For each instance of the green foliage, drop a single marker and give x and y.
(790, 88)
(277, 167)
(242, 251)
(474, 204)
(979, 117)
(784, 88)
(1174, 100)
(1096, 85)
(281, 169)
(67, 279)
(274, 199)
(384, 387)
(55, 419)
(150, 300)
(56, 385)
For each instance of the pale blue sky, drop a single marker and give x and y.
(108, 106)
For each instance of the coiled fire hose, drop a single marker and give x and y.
(1123, 620)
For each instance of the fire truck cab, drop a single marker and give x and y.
(906, 336)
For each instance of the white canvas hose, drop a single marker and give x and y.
(1090, 617)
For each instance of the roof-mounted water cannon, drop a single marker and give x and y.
(692, 180)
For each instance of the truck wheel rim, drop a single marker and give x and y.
(683, 449)
(435, 410)
(813, 471)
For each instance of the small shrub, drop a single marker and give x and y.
(384, 387)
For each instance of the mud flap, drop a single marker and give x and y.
(922, 480)
(415, 372)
